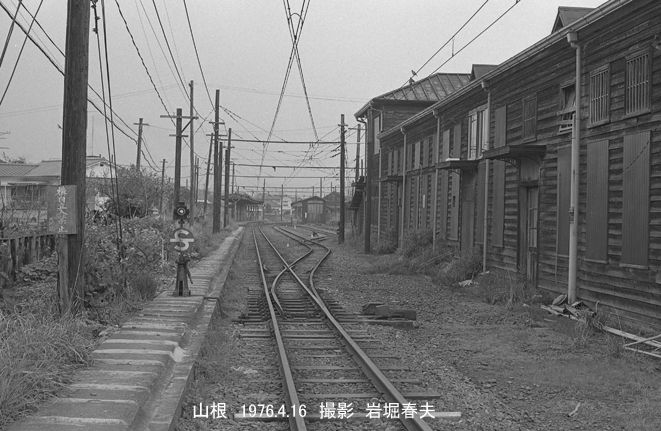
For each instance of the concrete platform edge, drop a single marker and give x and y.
(167, 409)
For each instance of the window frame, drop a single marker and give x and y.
(648, 70)
(605, 69)
(480, 117)
(564, 110)
(524, 119)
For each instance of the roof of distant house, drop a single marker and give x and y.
(53, 168)
(15, 169)
(430, 89)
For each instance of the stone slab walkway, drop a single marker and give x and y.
(138, 375)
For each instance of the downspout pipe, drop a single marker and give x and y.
(485, 233)
(572, 38)
(437, 154)
(401, 221)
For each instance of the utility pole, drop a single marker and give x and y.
(233, 178)
(178, 135)
(177, 158)
(206, 182)
(160, 202)
(191, 133)
(139, 155)
(227, 176)
(340, 233)
(264, 200)
(369, 150)
(217, 167)
(71, 276)
(358, 153)
(321, 188)
(197, 180)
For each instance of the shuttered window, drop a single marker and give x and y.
(635, 198)
(637, 87)
(500, 127)
(456, 141)
(564, 170)
(454, 206)
(596, 222)
(529, 117)
(445, 145)
(600, 96)
(498, 205)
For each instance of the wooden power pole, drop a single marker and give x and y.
(358, 154)
(340, 233)
(227, 176)
(138, 156)
(217, 167)
(191, 132)
(206, 182)
(160, 201)
(177, 158)
(71, 279)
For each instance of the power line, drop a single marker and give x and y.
(197, 55)
(477, 36)
(450, 39)
(20, 52)
(11, 30)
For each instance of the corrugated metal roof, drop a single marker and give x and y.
(567, 15)
(15, 169)
(430, 89)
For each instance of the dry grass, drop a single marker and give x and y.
(37, 355)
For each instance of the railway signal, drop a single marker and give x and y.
(182, 238)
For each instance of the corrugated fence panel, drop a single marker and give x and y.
(636, 186)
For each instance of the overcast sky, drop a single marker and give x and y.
(350, 50)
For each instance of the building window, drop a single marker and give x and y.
(529, 117)
(478, 132)
(567, 108)
(637, 88)
(376, 131)
(599, 96)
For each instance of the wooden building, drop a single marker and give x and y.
(387, 110)
(309, 210)
(491, 163)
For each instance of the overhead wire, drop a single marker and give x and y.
(295, 40)
(60, 69)
(450, 39)
(9, 33)
(477, 36)
(20, 52)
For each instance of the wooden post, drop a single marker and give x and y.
(206, 182)
(340, 233)
(358, 153)
(71, 280)
(264, 200)
(191, 132)
(160, 201)
(177, 158)
(217, 168)
(227, 176)
(282, 196)
(139, 154)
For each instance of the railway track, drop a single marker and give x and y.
(329, 372)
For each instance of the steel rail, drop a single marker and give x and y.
(287, 268)
(376, 376)
(296, 423)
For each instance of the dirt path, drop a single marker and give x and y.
(517, 368)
